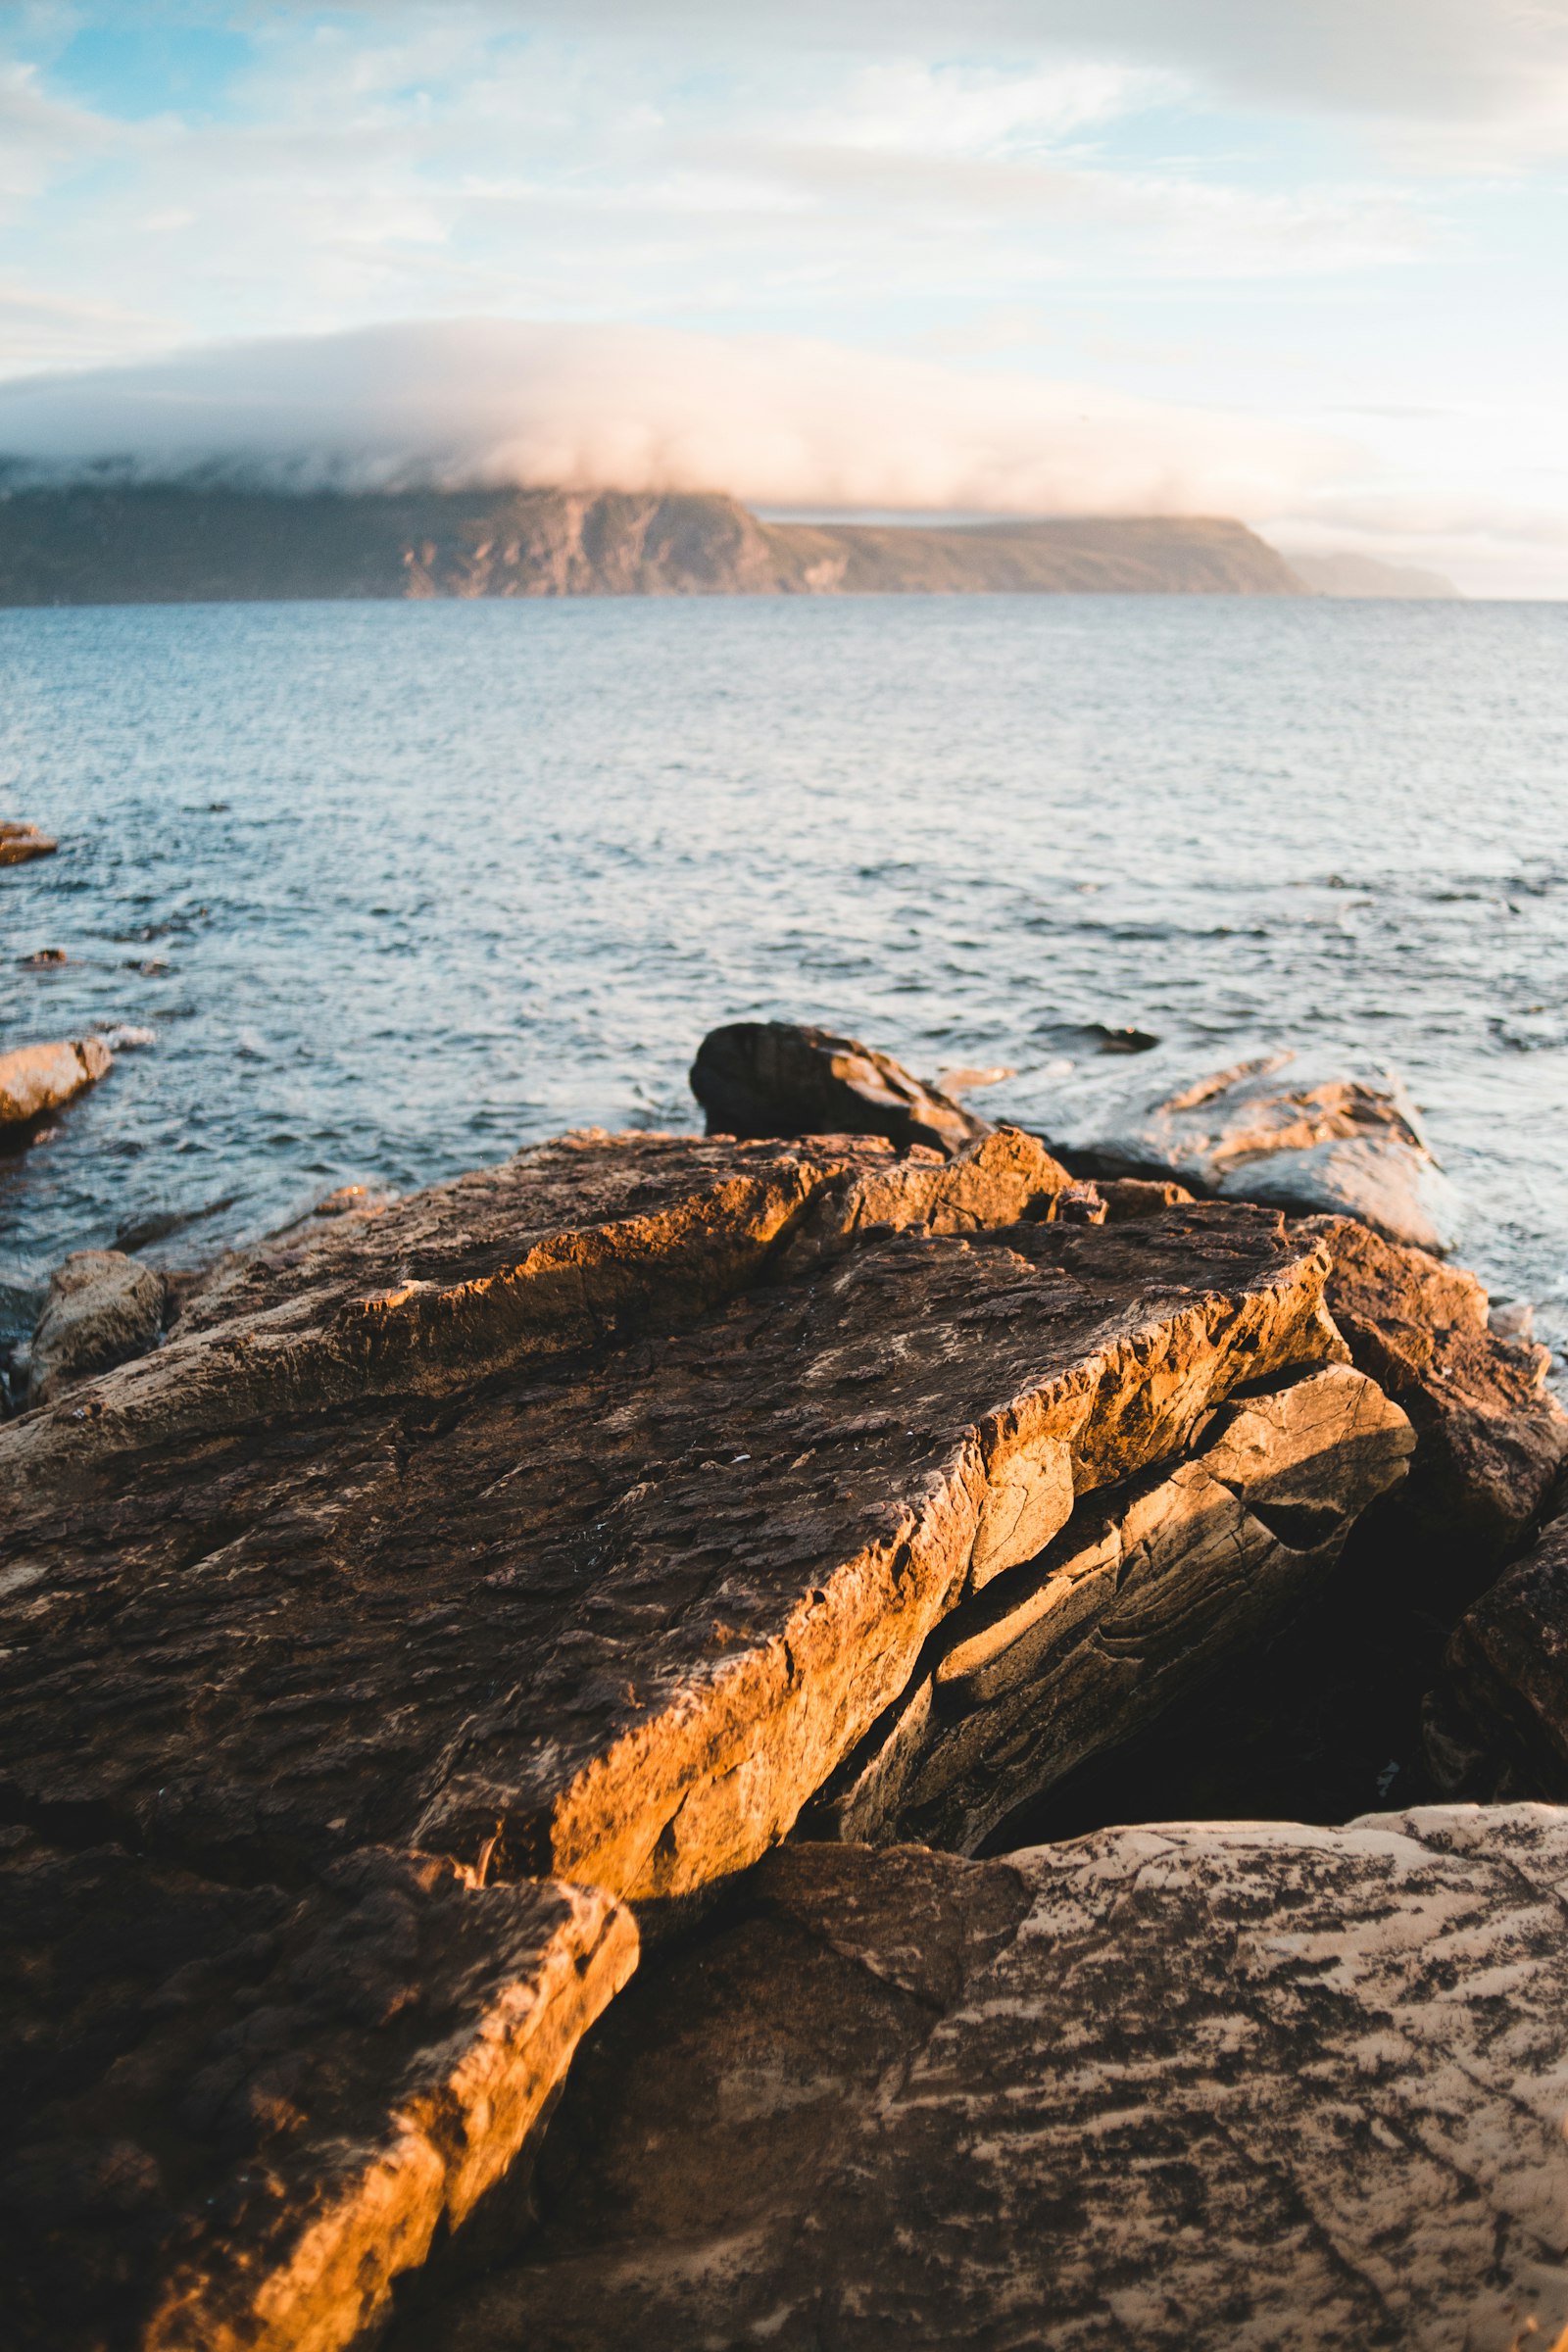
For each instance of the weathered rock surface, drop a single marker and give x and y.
(1499, 1717)
(779, 1078)
(1490, 1438)
(612, 1617)
(235, 2111)
(1146, 1588)
(102, 1309)
(1282, 1131)
(34, 1079)
(19, 842)
(1189, 2086)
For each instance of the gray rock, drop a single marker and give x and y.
(103, 1309)
(1292, 1134)
(1203, 2087)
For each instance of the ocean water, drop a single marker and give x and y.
(392, 889)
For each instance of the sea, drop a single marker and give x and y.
(373, 893)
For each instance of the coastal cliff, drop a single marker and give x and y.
(180, 545)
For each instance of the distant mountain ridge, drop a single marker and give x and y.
(180, 545)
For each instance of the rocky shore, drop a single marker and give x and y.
(640, 1595)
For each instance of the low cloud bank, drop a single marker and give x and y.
(777, 423)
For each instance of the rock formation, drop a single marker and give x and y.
(777, 1078)
(1278, 1130)
(91, 544)
(34, 1079)
(464, 1568)
(1499, 1719)
(1189, 2088)
(19, 842)
(102, 1309)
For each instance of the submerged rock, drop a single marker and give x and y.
(778, 1078)
(1188, 2087)
(19, 842)
(1282, 1131)
(102, 1309)
(34, 1079)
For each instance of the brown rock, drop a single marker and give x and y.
(1188, 2089)
(1149, 1587)
(236, 2113)
(1490, 1438)
(34, 1079)
(1501, 1719)
(778, 1078)
(102, 1309)
(19, 842)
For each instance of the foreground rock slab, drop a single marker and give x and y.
(34, 1079)
(236, 2113)
(1190, 2086)
(1283, 1131)
(779, 1078)
(103, 1309)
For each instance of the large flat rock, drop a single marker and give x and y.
(1193, 2087)
(612, 1614)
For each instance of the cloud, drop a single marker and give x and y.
(778, 421)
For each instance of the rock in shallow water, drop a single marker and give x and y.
(779, 1078)
(1283, 1131)
(19, 842)
(102, 1309)
(38, 1078)
(1191, 2086)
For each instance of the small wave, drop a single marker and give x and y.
(123, 1035)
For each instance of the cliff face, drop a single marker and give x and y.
(183, 546)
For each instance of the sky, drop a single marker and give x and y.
(1302, 260)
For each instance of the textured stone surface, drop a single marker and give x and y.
(103, 1308)
(572, 1244)
(1238, 2086)
(34, 1079)
(612, 1617)
(1490, 1438)
(1149, 1587)
(1499, 1717)
(1286, 1132)
(19, 842)
(758, 1078)
(236, 2113)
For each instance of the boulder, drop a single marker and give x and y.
(34, 1079)
(1499, 1719)
(1283, 1131)
(1490, 1438)
(777, 1078)
(102, 1309)
(234, 2113)
(1188, 2088)
(19, 842)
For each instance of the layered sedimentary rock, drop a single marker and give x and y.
(1498, 1721)
(1490, 1438)
(102, 1309)
(576, 1522)
(19, 843)
(235, 2111)
(761, 1078)
(1191, 2087)
(34, 1079)
(1283, 1131)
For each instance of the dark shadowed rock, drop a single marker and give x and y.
(102, 1309)
(1490, 1440)
(34, 1079)
(1188, 2088)
(778, 1078)
(1498, 1720)
(235, 2111)
(1281, 1130)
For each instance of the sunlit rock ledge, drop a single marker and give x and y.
(474, 1587)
